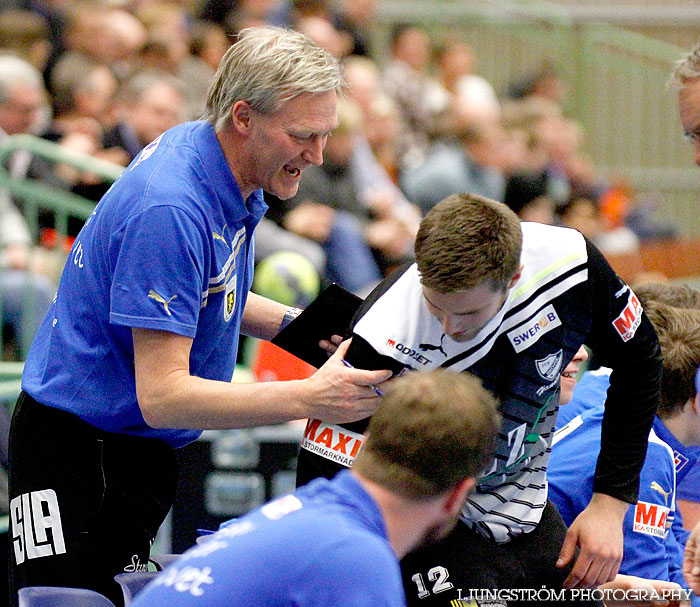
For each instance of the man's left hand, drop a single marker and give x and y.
(597, 531)
(330, 345)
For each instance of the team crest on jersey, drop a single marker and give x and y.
(630, 318)
(147, 151)
(549, 367)
(530, 331)
(679, 460)
(230, 298)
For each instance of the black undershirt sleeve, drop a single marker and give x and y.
(633, 395)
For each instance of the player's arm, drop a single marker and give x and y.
(170, 397)
(623, 339)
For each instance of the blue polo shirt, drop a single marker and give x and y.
(169, 247)
(654, 537)
(324, 545)
(689, 485)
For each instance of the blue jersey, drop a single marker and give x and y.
(169, 247)
(689, 486)
(324, 545)
(653, 530)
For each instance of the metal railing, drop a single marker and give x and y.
(36, 197)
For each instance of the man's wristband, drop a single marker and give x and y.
(289, 316)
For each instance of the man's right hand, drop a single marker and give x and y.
(340, 394)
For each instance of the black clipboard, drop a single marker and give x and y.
(329, 314)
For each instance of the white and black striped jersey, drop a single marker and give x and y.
(566, 295)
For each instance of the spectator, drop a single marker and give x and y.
(539, 119)
(355, 18)
(545, 83)
(250, 13)
(422, 102)
(653, 534)
(166, 50)
(22, 104)
(363, 81)
(582, 213)
(471, 164)
(382, 118)
(352, 181)
(124, 36)
(22, 98)
(83, 92)
(25, 34)
(22, 109)
(322, 31)
(473, 96)
(109, 35)
(209, 43)
(149, 103)
(349, 260)
(454, 59)
(55, 15)
(526, 194)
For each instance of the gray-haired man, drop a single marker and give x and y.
(136, 353)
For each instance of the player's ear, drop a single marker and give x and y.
(457, 495)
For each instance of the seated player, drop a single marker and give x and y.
(654, 538)
(338, 542)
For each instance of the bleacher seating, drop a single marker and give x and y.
(676, 259)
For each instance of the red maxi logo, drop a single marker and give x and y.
(332, 442)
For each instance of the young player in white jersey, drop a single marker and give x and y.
(512, 304)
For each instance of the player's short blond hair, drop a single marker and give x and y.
(467, 240)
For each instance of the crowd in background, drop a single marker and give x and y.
(106, 78)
